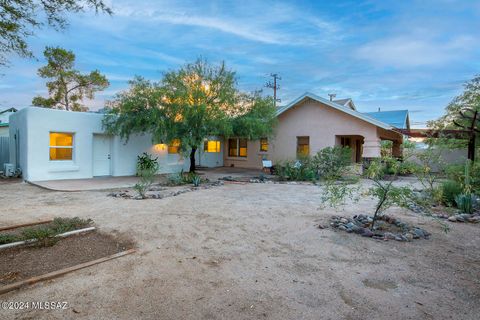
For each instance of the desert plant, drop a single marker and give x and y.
(8, 238)
(61, 225)
(385, 193)
(146, 162)
(450, 189)
(196, 180)
(45, 236)
(147, 178)
(465, 202)
(332, 162)
(175, 179)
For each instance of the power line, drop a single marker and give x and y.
(275, 86)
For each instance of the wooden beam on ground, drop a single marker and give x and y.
(58, 273)
(25, 225)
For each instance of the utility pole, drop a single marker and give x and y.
(273, 85)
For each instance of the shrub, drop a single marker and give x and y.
(450, 189)
(296, 170)
(331, 162)
(8, 238)
(43, 235)
(61, 225)
(465, 202)
(147, 178)
(175, 179)
(146, 162)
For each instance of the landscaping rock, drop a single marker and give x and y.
(386, 228)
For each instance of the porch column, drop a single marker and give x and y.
(371, 148)
(397, 149)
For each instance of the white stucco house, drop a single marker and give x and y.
(47, 144)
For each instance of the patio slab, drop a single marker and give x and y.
(106, 183)
(100, 183)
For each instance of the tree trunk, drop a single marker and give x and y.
(192, 159)
(471, 147)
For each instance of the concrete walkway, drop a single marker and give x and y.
(105, 183)
(100, 183)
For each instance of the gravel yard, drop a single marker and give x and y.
(249, 251)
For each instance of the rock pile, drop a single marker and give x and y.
(386, 228)
(465, 217)
(158, 192)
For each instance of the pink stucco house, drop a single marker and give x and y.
(310, 123)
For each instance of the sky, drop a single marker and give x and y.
(384, 54)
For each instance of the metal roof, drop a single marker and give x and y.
(396, 118)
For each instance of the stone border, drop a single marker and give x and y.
(360, 224)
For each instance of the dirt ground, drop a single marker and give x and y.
(21, 263)
(249, 251)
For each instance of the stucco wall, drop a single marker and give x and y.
(35, 124)
(322, 124)
(253, 159)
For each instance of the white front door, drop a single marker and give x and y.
(101, 155)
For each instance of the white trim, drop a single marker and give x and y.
(337, 106)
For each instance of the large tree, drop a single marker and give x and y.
(67, 86)
(191, 104)
(20, 18)
(463, 113)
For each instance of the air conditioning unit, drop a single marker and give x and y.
(8, 169)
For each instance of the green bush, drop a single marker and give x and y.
(43, 235)
(465, 202)
(296, 170)
(178, 179)
(61, 225)
(331, 162)
(8, 238)
(456, 172)
(145, 162)
(450, 190)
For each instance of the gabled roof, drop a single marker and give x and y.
(348, 102)
(337, 106)
(396, 118)
(9, 110)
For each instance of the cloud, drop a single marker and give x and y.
(404, 51)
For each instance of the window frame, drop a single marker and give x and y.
(218, 146)
(237, 148)
(172, 146)
(298, 146)
(264, 143)
(72, 147)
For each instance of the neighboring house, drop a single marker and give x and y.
(396, 118)
(309, 124)
(48, 144)
(4, 115)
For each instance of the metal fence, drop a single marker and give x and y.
(4, 151)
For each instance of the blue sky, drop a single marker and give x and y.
(390, 54)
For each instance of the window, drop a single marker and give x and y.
(61, 146)
(345, 142)
(263, 145)
(174, 146)
(303, 146)
(242, 145)
(237, 147)
(211, 146)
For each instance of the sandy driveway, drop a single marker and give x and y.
(250, 252)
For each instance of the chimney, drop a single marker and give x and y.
(332, 95)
